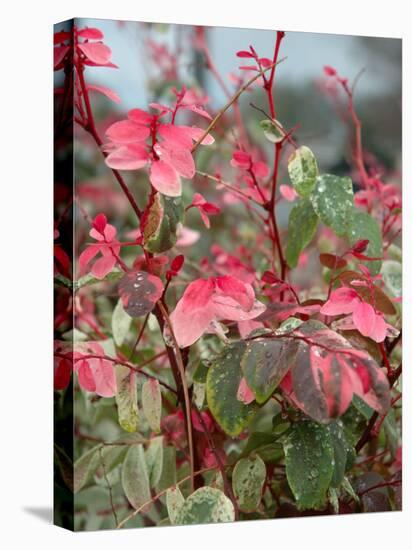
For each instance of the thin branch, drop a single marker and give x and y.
(185, 391)
(109, 487)
(234, 98)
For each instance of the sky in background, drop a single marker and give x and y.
(306, 54)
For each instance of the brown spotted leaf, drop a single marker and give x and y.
(139, 292)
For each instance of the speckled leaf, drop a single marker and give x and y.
(152, 403)
(126, 398)
(340, 452)
(174, 502)
(139, 292)
(83, 468)
(121, 322)
(332, 200)
(363, 226)
(392, 277)
(303, 170)
(154, 460)
(309, 459)
(206, 505)
(302, 226)
(222, 384)
(161, 222)
(273, 131)
(265, 362)
(248, 479)
(135, 478)
(168, 476)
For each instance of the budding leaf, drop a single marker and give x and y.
(362, 226)
(303, 222)
(223, 379)
(126, 398)
(152, 403)
(135, 477)
(121, 322)
(206, 505)
(303, 171)
(273, 131)
(332, 200)
(309, 463)
(161, 222)
(248, 480)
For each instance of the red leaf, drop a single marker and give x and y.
(332, 262)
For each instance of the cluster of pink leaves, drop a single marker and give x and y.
(107, 246)
(207, 301)
(89, 47)
(362, 316)
(95, 374)
(169, 149)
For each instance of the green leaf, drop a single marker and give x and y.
(303, 222)
(332, 200)
(154, 460)
(83, 468)
(206, 505)
(126, 398)
(303, 171)
(340, 452)
(248, 479)
(309, 459)
(272, 130)
(121, 322)
(222, 384)
(174, 503)
(363, 226)
(152, 403)
(135, 478)
(265, 362)
(392, 277)
(161, 223)
(168, 476)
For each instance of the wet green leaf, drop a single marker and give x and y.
(265, 362)
(206, 505)
(248, 480)
(303, 171)
(332, 200)
(309, 456)
(222, 384)
(303, 222)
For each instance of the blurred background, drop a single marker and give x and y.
(376, 63)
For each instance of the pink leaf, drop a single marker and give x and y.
(243, 53)
(127, 131)
(96, 52)
(139, 116)
(175, 136)
(244, 393)
(128, 157)
(165, 179)
(364, 318)
(90, 33)
(105, 91)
